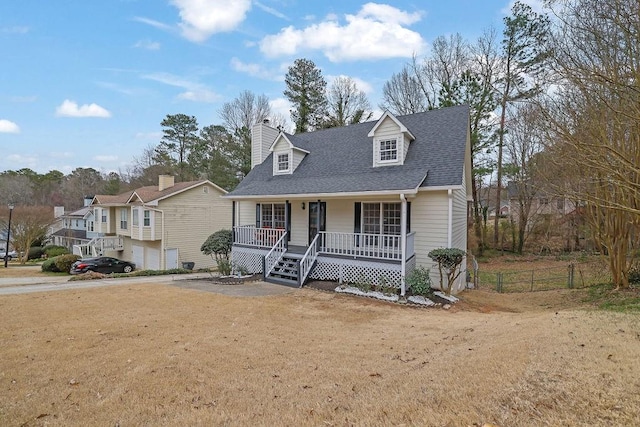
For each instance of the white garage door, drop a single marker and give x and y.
(152, 259)
(138, 257)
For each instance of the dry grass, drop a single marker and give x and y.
(15, 269)
(160, 355)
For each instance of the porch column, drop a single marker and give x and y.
(403, 243)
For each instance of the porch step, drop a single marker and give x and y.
(286, 271)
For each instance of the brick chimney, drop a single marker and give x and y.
(165, 181)
(262, 136)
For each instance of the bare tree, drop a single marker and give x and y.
(402, 94)
(28, 225)
(593, 120)
(346, 104)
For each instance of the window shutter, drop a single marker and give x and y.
(288, 220)
(257, 215)
(233, 213)
(408, 217)
(357, 227)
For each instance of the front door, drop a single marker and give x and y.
(317, 218)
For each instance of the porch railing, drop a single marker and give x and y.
(251, 235)
(307, 260)
(98, 245)
(381, 246)
(274, 255)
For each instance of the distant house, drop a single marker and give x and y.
(361, 203)
(74, 228)
(159, 227)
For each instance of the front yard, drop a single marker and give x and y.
(162, 355)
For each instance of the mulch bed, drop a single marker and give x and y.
(233, 280)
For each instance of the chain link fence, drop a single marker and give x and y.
(573, 275)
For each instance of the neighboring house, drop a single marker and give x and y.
(159, 227)
(361, 203)
(541, 203)
(73, 228)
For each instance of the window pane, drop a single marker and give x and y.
(278, 215)
(267, 215)
(283, 162)
(371, 218)
(147, 218)
(391, 217)
(388, 150)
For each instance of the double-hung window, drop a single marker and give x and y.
(104, 216)
(135, 220)
(283, 162)
(388, 150)
(272, 215)
(381, 218)
(124, 216)
(146, 218)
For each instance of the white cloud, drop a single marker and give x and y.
(271, 11)
(147, 44)
(7, 126)
(19, 159)
(156, 24)
(377, 31)
(194, 91)
(202, 18)
(71, 109)
(105, 158)
(148, 135)
(62, 154)
(255, 70)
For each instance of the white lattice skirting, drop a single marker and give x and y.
(343, 270)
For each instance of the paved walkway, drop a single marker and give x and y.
(196, 281)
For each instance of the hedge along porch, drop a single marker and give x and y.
(363, 203)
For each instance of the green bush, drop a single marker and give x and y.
(634, 275)
(63, 262)
(419, 281)
(35, 252)
(53, 250)
(218, 245)
(50, 265)
(224, 267)
(449, 261)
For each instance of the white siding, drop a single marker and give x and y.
(340, 215)
(246, 213)
(297, 158)
(388, 129)
(429, 220)
(299, 223)
(262, 136)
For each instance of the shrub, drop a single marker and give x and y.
(218, 245)
(449, 261)
(419, 281)
(49, 265)
(634, 275)
(53, 250)
(224, 267)
(35, 252)
(63, 262)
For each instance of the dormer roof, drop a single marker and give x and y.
(385, 115)
(283, 136)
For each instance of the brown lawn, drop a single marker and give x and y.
(162, 355)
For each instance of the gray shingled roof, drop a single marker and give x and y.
(340, 159)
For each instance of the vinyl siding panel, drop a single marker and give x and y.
(299, 223)
(246, 212)
(189, 218)
(297, 158)
(429, 220)
(123, 231)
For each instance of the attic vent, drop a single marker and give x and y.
(205, 190)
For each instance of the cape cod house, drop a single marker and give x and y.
(159, 227)
(361, 203)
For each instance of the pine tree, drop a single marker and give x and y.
(306, 91)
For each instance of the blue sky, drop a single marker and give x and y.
(87, 83)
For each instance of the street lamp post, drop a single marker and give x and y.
(6, 254)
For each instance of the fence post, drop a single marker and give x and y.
(499, 282)
(532, 271)
(571, 273)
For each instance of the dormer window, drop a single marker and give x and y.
(388, 150)
(283, 162)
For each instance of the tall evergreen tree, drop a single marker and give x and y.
(179, 137)
(306, 91)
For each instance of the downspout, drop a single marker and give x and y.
(403, 244)
(450, 220)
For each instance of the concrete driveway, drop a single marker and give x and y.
(195, 281)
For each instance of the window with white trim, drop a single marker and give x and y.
(89, 225)
(124, 216)
(146, 218)
(135, 221)
(381, 218)
(283, 162)
(104, 216)
(388, 150)
(272, 215)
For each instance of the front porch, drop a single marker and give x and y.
(340, 257)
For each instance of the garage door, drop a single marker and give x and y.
(138, 256)
(152, 259)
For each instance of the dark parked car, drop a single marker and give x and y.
(103, 264)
